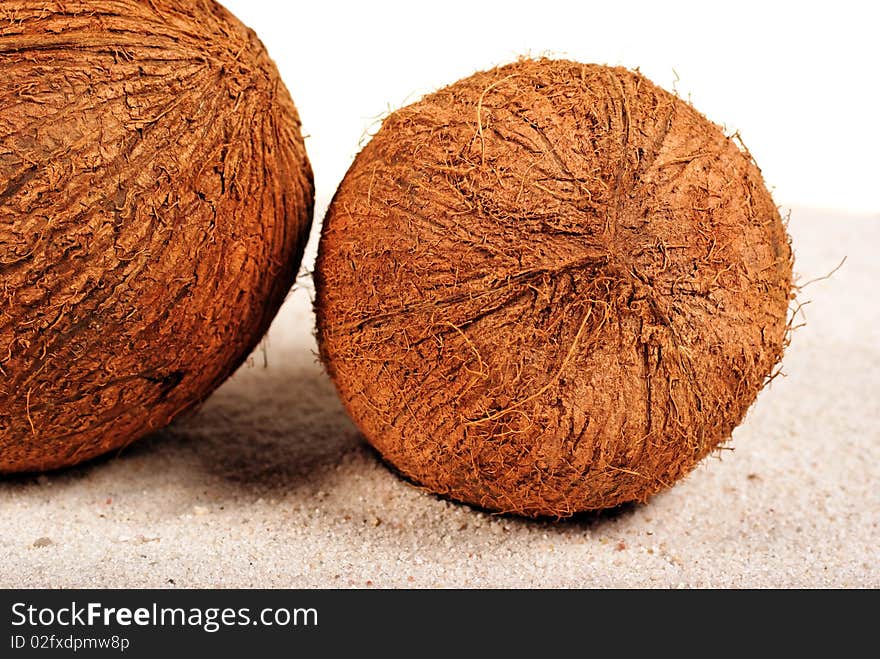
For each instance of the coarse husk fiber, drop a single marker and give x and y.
(155, 198)
(551, 287)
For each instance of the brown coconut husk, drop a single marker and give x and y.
(155, 199)
(551, 287)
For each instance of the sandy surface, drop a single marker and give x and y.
(270, 485)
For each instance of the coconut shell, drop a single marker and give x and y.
(155, 199)
(551, 287)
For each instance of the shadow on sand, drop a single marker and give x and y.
(267, 432)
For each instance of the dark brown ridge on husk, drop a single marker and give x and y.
(551, 287)
(155, 198)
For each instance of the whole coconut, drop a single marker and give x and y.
(551, 287)
(155, 198)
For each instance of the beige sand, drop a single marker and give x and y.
(269, 485)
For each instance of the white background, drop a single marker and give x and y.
(798, 80)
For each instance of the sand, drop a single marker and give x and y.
(270, 485)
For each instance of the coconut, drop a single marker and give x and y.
(155, 198)
(551, 287)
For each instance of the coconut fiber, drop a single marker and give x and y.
(155, 196)
(551, 287)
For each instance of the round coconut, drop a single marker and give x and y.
(155, 198)
(551, 287)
